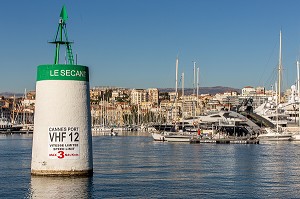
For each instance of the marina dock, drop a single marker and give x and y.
(15, 132)
(224, 141)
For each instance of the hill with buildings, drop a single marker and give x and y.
(202, 90)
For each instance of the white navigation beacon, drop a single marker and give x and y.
(62, 139)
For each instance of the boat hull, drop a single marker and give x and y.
(158, 137)
(178, 138)
(274, 137)
(296, 137)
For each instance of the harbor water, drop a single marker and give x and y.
(134, 166)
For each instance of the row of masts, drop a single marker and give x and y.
(195, 88)
(280, 68)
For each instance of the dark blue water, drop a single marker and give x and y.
(137, 167)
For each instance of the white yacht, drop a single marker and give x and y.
(158, 136)
(228, 122)
(275, 135)
(100, 128)
(295, 137)
(273, 113)
(178, 138)
(172, 136)
(6, 125)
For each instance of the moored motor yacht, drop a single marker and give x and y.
(178, 138)
(275, 135)
(295, 137)
(229, 122)
(158, 136)
(6, 125)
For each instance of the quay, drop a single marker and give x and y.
(15, 132)
(104, 133)
(224, 141)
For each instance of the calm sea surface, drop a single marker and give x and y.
(137, 167)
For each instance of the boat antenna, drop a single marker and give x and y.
(61, 38)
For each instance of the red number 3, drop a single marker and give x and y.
(61, 154)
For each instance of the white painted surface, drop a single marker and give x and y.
(61, 103)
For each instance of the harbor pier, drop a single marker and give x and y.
(225, 141)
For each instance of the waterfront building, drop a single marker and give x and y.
(188, 108)
(107, 93)
(28, 102)
(172, 96)
(259, 90)
(5, 112)
(188, 104)
(231, 93)
(137, 96)
(146, 105)
(115, 94)
(95, 94)
(153, 94)
(248, 91)
(4, 103)
(166, 109)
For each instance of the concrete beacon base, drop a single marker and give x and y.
(61, 173)
(62, 138)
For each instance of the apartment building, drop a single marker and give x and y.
(153, 95)
(138, 96)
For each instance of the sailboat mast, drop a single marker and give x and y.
(182, 100)
(176, 86)
(194, 85)
(176, 77)
(24, 114)
(276, 91)
(298, 89)
(13, 113)
(279, 69)
(298, 76)
(194, 90)
(197, 87)
(182, 85)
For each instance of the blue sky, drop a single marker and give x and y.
(134, 43)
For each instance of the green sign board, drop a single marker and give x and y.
(63, 72)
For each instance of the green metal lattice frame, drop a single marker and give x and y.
(61, 38)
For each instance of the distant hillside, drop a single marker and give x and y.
(203, 90)
(9, 94)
